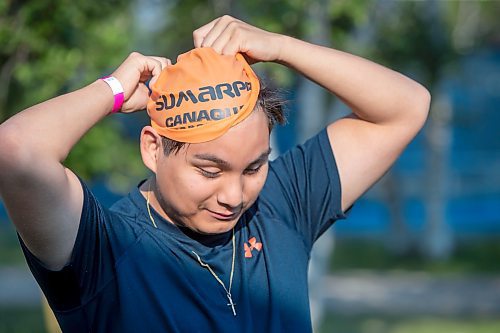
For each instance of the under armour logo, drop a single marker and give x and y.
(252, 244)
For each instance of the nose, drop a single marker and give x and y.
(230, 194)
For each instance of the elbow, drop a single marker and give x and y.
(425, 101)
(421, 103)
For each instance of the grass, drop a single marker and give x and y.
(30, 320)
(481, 256)
(21, 320)
(368, 324)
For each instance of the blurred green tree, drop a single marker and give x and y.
(427, 39)
(52, 47)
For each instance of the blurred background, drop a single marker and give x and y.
(420, 252)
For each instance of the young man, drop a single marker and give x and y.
(218, 239)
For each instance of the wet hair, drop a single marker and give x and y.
(269, 100)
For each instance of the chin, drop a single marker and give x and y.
(215, 228)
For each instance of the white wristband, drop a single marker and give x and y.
(117, 89)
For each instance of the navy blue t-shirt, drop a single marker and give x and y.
(127, 276)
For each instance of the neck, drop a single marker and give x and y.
(147, 190)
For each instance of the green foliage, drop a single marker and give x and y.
(380, 324)
(105, 153)
(415, 37)
(421, 37)
(52, 47)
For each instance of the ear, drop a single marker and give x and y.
(151, 148)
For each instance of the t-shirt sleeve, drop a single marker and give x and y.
(92, 260)
(303, 188)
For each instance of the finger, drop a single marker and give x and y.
(151, 78)
(129, 72)
(224, 25)
(231, 47)
(200, 33)
(137, 101)
(163, 61)
(213, 33)
(143, 95)
(249, 59)
(150, 82)
(222, 40)
(151, 65)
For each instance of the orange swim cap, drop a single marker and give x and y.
(203, 95)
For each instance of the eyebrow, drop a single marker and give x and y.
(212, 158)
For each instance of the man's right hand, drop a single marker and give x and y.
(133, 73)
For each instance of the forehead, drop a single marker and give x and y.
(241, 144)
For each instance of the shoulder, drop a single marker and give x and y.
(314, 155)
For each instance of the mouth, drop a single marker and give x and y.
(223, 216)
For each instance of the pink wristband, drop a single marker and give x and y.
(117, 89)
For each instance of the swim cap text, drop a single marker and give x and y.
(204, 94)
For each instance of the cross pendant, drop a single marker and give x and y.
(231, 304)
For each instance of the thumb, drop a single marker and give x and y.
(164, 63)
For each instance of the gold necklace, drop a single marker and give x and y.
(205, 265)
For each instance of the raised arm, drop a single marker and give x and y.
(388, 111)
(43, 198)
(388, 108)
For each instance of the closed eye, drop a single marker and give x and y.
(209, 174)
(252, 171)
